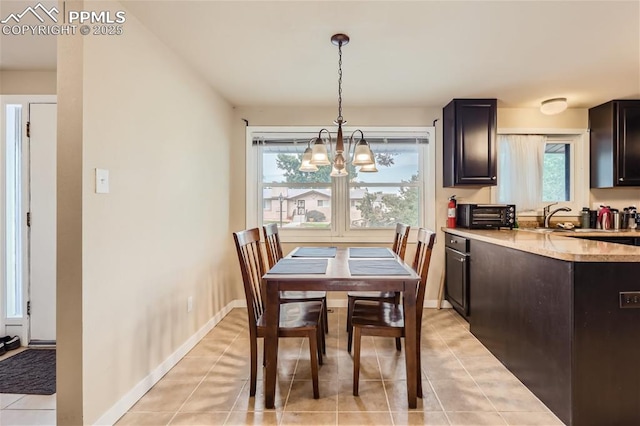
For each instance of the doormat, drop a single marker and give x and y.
(29, 372)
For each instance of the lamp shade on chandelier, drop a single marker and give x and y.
(335, 156)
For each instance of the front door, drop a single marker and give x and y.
(42, 230)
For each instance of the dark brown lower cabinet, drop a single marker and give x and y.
(558, 326)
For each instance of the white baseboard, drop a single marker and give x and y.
(130, 398)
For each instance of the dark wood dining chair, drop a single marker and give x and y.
(387, 319)
(399, 248)
(274, 253)
(302, 319)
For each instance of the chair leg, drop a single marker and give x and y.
(356, 361)
(254, 366)
(350, 303)
(326, 316)
(419, 363)
(313, 352)
(319, 344)
(349, 339)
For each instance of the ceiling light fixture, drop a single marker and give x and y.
(553, 106)
(317, 155)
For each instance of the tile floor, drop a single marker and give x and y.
(463, 384)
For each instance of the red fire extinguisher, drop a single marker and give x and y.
(451, 212)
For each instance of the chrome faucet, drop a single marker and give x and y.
(547, 213)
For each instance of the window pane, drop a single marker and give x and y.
(297, 207)
(280, 164)
(383, 207)
(556, 175)
(395, 162)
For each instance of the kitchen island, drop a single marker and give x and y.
(548, 306)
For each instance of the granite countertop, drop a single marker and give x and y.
(558, 245)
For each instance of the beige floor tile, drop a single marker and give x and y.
(191, 369)
(461, 418)
(208, 348)
(365, 418)
(372, 396)
(301, 396)
(486, 367)
(35, 402)
(166, 395)
(256, 403)
(213, 395)
(515, 418)
(6, 399)
(293, 418)
(145, 419)
(444, 366)
(369, 368)
(200, 419)
(415, 418)
(393, 367)
(28, 417)
(466, 347)
(510, 395)
(327, 371)
(265, 418)
(460, 395)
(398, 401)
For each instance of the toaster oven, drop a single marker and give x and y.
(482, 216)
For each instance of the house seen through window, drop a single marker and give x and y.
(298, 200)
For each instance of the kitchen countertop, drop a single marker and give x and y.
(558, 245)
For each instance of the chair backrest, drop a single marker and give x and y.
(421, 261)
(252, 267)
(400, 240)
(272, 243)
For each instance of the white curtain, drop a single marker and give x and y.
(520, 167)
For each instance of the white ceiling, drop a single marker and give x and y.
(402, 53)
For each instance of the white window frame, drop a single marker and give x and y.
(341, 232)
(578, 139)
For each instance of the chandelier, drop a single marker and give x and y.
(336, 156)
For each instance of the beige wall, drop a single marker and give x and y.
(27, 82)
(162, 233)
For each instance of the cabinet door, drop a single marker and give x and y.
(628, 143)
(471, 139)
(456, 280)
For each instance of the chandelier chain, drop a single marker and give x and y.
(339, 82)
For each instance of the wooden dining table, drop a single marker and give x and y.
(342, 273)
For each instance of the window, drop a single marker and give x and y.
(556, 172)
(535, 170)
(313, 205)
(266, 204)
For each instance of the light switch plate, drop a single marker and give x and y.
(102, 181)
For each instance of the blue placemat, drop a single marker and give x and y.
(300, 266)
(370, 252)
(315, 252)
(376, 267)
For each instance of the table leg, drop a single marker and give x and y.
(410, 342)
(271, 343)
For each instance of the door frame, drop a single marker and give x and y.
(17, 326)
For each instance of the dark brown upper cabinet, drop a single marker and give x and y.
(615, 144)
(469, 142)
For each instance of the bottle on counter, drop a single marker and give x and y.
(585, 218)
(615, 219)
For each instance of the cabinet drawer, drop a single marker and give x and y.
(455, 242)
